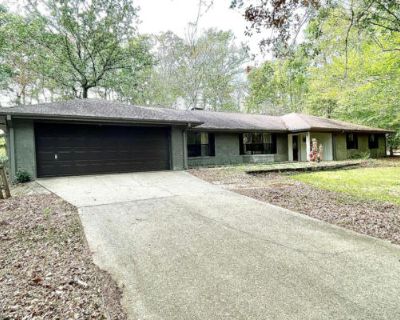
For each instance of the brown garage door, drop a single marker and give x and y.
(77, 149)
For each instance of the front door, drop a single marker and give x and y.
(295, 145)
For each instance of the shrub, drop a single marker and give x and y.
(23, 176)
(361, 155)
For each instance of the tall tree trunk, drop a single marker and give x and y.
(18, 100)
(85, 92)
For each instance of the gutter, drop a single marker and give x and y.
(101, 119)
(239, 130)
(372, 130)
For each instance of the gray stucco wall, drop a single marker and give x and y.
(227, 151)
(341, 152)
(177, 149)
(24, 146)
(381, 151)
(281, 148)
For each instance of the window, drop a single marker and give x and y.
(200, 144)
(373, 141)
(257, 143)
(352, 141)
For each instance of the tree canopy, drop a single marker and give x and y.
(204, 71)
(334, 58)
(337, 71)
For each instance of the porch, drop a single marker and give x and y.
(299, 145)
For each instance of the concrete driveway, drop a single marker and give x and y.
(182, 248)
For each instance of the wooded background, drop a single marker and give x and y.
(338, 59)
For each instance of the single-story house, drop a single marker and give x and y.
(96, 136)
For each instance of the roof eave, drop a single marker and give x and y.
(234, 130)
(366, 130)
(35, 116)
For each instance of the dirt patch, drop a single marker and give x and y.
(29, 188)
(46, 267)
(382, 162)
(377, 219)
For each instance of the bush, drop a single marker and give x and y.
(361, 155)
(22, 176)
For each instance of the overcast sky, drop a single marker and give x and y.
(175, 15)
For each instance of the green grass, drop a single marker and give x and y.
(381, 183)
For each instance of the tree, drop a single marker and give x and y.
(204, 71)
(17, 57)
(278, 87)
(286, 19)
(131, 84)
(84, 43)
(5, 70)
(357, 82)
(283, 20)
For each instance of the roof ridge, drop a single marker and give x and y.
(234, 112)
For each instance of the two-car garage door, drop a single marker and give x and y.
(76, 149)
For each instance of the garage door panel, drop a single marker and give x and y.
(72, 149)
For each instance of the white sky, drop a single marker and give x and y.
(175, 15)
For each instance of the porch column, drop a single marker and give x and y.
(290, 147)
(308, 145)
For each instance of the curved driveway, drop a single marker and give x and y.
(182, 248)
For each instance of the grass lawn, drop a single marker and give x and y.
(381, 183)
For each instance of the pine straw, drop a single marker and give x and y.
(46, 269)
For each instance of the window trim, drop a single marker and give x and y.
(373, 144)
(205, 149)
(352, 145)
(266, 147)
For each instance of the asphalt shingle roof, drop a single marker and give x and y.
(302, 122)
(95, 109)
(238, 121)
(101, 109)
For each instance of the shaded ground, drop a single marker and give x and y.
(46, 269)
(374, 218)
